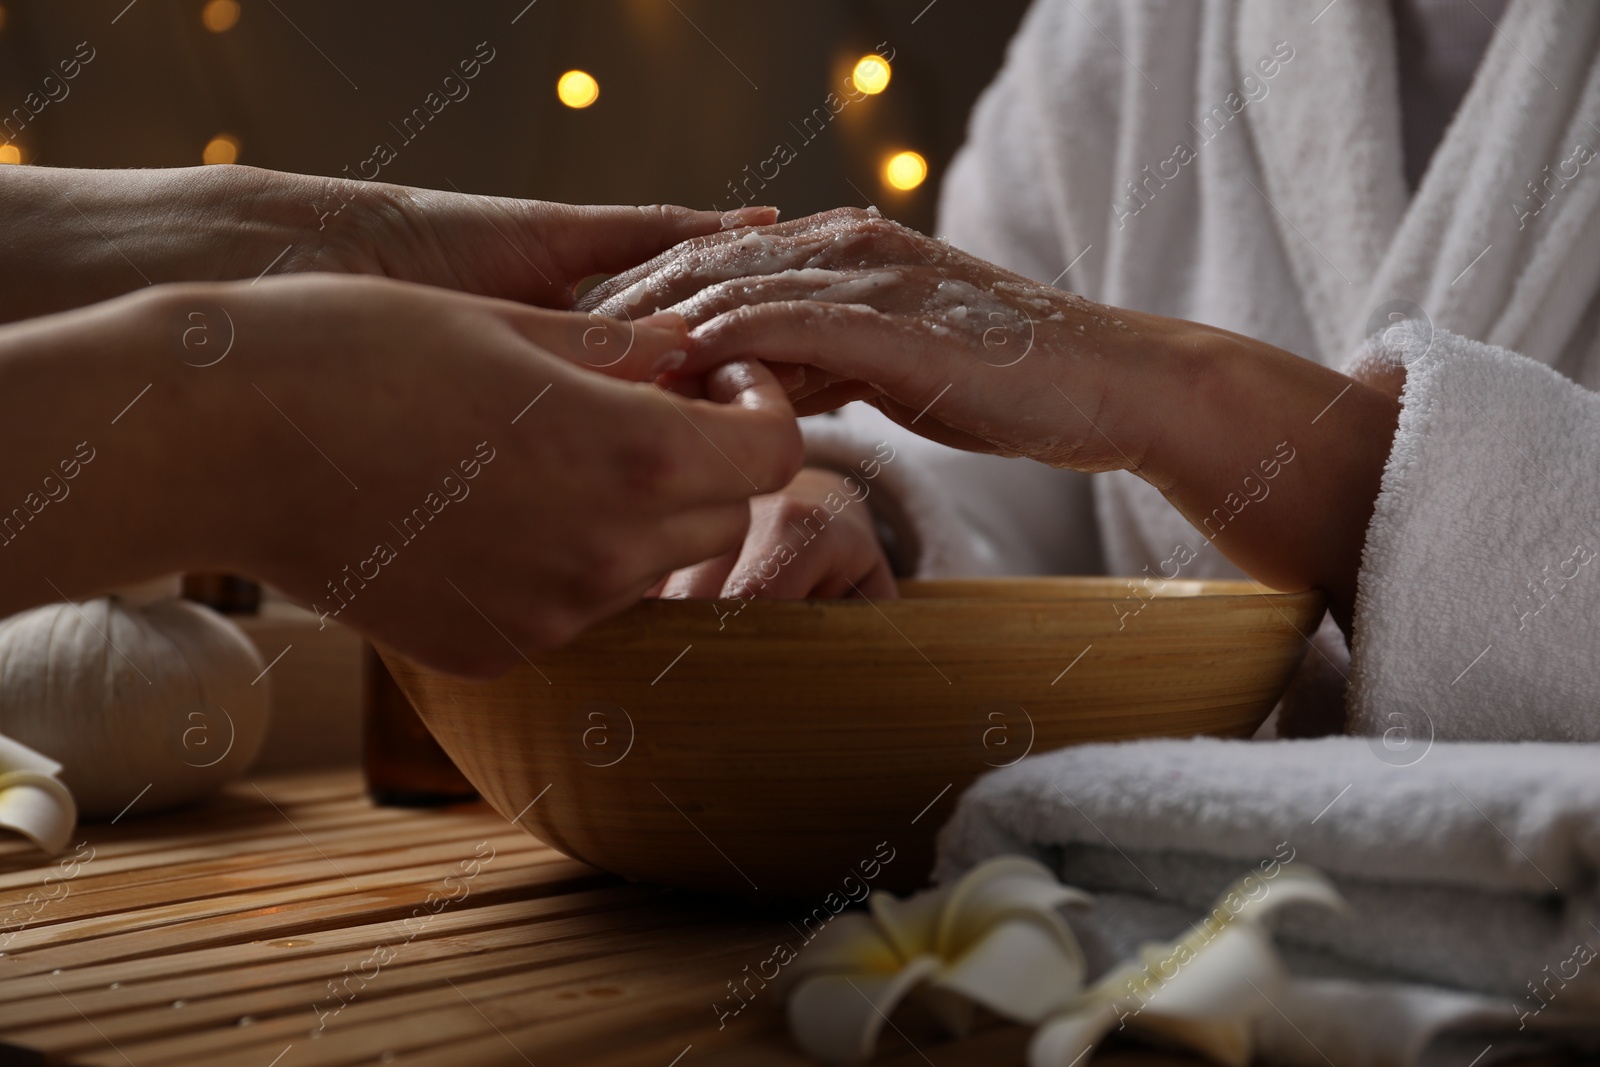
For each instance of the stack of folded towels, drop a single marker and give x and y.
(1473, 932)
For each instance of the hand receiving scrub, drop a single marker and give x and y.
(815, 538)
(848, 305)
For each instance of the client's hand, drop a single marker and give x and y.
(813, 538)
(969, 354)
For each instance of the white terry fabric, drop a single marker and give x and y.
(1479, 597)
(1292, 223)
(1468, 866)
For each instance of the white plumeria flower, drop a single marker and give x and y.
(1203, 990)
(994, 938)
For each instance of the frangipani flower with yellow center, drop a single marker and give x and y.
(994, 938)
(1204, 990)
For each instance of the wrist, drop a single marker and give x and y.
(216, 223)
(212, 350)
(1124, 391)
(102, 448)
(113, 232)
(1275, 459)
(188, 431)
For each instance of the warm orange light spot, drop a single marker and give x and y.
(905, 170)
(223, 148)
(578, 89)
(2, 16)
(219, 16)
(10, 153)
(871, 74)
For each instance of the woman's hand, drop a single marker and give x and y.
(848, 305)
(813, 538)
(74, 237)
(443, 471)
(964, 349)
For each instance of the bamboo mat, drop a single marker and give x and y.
(288, 922)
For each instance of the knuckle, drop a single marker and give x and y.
(702, 245)
(875, 227)
(740, 321)
(662, 216)
(847, 215)
(725, 294)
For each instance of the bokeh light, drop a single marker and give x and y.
(10, 153)
(905, 170)
(578, 89)
(871, 74)
(219, 16)
(223, 148)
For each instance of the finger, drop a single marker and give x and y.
(635, 351)
(791, 376)
(902, 356)
(750, 423)
(841, 239)
(703, 581)
(789, 568)
(682, 272)
(605, 240)
(789, 562)
(833, 397)
(776, 562)
(878, 583)
(691, 387)
(828, 286)
(692, 537)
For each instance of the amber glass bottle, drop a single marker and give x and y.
(227, 593)
(405, 767)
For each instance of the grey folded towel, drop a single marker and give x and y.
(1467, 867)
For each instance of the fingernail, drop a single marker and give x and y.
(668, 362)
(749, 216)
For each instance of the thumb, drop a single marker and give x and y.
(639, 350)
(608, 240)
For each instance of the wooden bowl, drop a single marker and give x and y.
(800, 748)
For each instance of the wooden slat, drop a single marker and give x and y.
(210, 937)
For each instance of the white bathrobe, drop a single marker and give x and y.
(1285, 216)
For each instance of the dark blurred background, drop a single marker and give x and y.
(698, 99)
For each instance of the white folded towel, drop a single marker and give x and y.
(1467, 867)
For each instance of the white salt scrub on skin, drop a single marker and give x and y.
(756, 256)
(851, 290)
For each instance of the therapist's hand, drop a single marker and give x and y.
(74, 237)
(445, 472)
(533, 251)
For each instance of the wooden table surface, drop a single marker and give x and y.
(288, 922)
